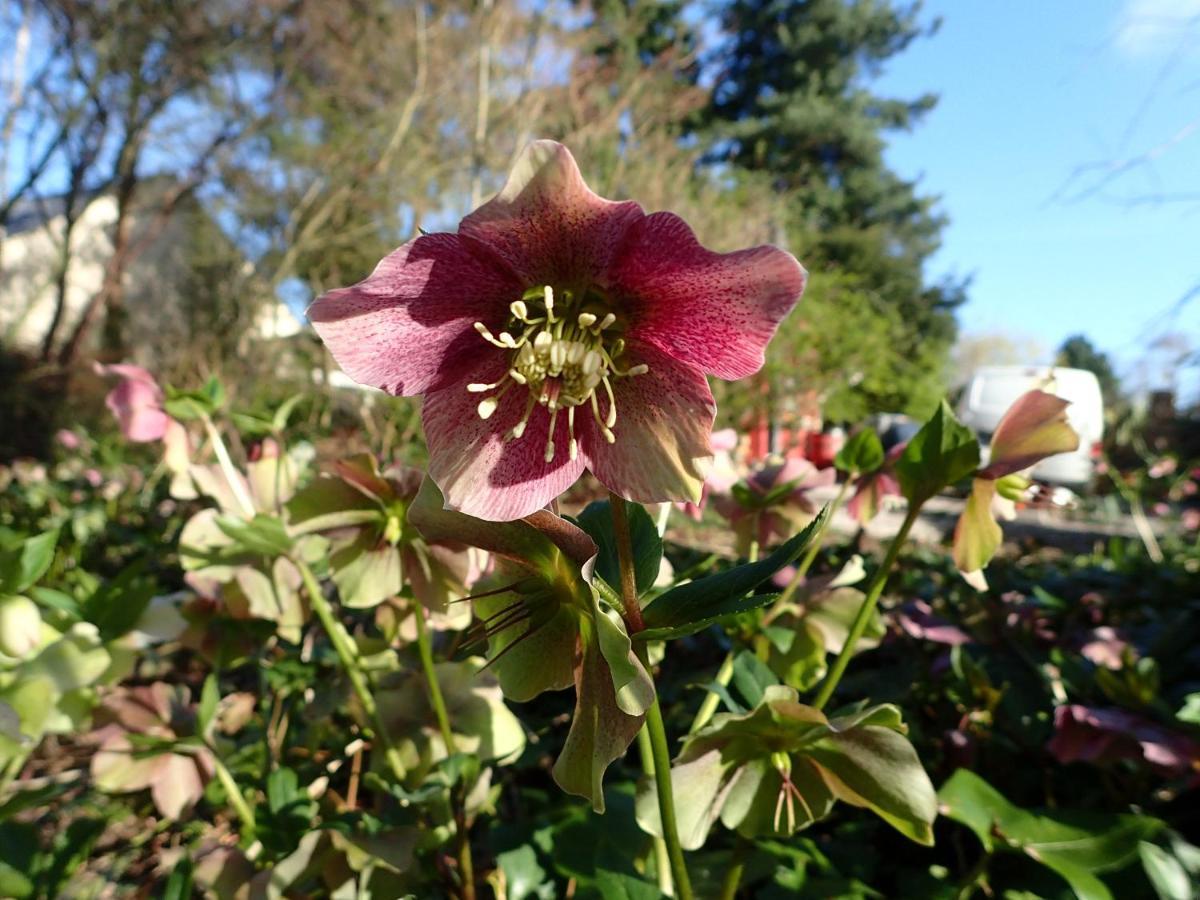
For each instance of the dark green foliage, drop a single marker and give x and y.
(793, 103)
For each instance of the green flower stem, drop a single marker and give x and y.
(662, 860)
(708, 707)
(436, 699)
(864, 612)
(629, 595)
(814, 548)
(737, 866)
(348, 657)
(466, 864)
(655, 729)
(236, 484)
(661, 758)
(236, 798)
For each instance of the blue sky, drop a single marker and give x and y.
(1030, 93)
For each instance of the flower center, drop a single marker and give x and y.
(564, 354)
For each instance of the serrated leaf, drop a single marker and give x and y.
(942, 453)
(700, 600)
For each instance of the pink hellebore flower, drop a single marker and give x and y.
(722, 474)
(873, 488)
(773, 503)
(137, 402)
(558, 331)
(1090, 734)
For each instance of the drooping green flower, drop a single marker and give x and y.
(780, 767)
(546, 629)
(1034, 428)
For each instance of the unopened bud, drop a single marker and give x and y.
(20, 627)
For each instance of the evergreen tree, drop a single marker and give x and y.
(792, 102)
(1077, 352)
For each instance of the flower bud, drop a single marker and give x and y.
(20, 626)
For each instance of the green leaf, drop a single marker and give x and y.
(179, 885)
(365, 572)
(863, 452)
(284, 412)
(751, 677)
(597, 521)
(117, 605)
(877, 768)
(942, 453)
(523, 874)
(717, 614)
(710, 597)
(210, 696)
(263, 534)
(13, 883)
(23, 565)
(1167, 875)
(619, 886)
(1076, 845)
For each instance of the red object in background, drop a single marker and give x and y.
(822, 448)
(760, 439)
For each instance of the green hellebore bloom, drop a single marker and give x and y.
(782, 766)
(546, 630)
(1034, 428)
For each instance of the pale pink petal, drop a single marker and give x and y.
(716, 311)
(1033, 428)
(664, 418)
(136, 401)
(408, 327)
(177, 784)
(547, 224)
(480, 472)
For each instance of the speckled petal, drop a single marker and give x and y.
(407, 328)
(480, 472)
(716, 311)
(548, 224)
(664, 419)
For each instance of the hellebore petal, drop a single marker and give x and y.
(717, 311)
(604, 321)
(480, 471)
(1034, 428)
(137, 402)
(780, 766)
(977, 535)
(666, 417)
(407, 327)
(547, 224)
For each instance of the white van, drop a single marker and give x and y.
(992, 390)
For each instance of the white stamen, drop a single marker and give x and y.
(591, 362)
(519, 310)
(507, 340)
(517, 377)
(639, 369)
(488, 336)
(549, 299)
(487, 407)
(606, 321)
(587, 320)
(574, 446)
(519, 429)
(611, 419)
(542, 341)
(550, 437)
(480, 388)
